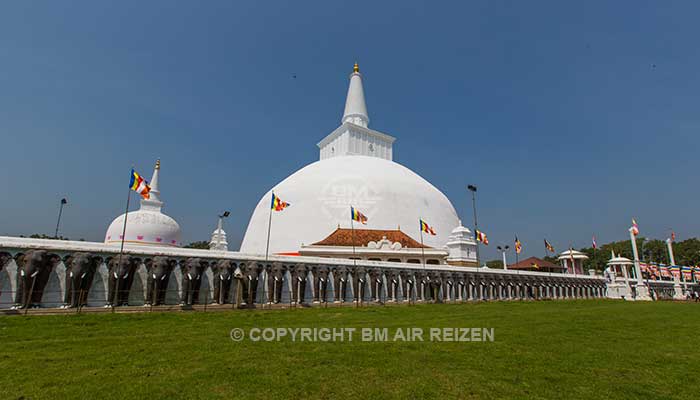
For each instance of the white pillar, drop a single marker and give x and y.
(669, 245)
(642, 290)
(677, 292)
(505, 264)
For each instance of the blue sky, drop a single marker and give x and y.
(571, 117)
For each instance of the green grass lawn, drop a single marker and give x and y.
(565, 349)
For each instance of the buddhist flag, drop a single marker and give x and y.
(548, 246)
(481, 237)
(595, 245)
(139, 185)
(635, 228)
(357, 216)
(278, 204)
(424, 227)
(687, 273)
(664, 271)
(654, 270)
(675, 270)
(518, 246)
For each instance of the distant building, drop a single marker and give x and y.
(374, 245)
(572, 261)
(537, 264)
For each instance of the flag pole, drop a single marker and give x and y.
(352, 230)
(422, 247)
(595, 264)
(269, 225)
(121, 247)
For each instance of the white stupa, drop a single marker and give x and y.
(218, 237)
(355, 169)
(148, 225)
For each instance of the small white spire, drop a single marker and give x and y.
(153, 202)
(355, 107)
(218, 237)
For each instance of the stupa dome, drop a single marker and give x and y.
(320, 196)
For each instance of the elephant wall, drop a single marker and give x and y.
(255, 283)
(8, 284)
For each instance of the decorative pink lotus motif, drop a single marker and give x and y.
(173, 241)
(139, 237)
(121, 236)
(109, 237)
(159, 239)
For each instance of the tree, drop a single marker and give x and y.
(686, 252)
(43, 236)
(495, 264)
(202, 244)
(552, 259)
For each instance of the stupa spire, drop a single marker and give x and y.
(153, 202)
(355, 107)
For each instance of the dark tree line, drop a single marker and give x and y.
(686, 252)
(43, 236)
(202, 244)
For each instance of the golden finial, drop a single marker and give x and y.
(158, 163)
(356, 68)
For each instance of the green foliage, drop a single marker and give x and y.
(552, 259)
(198, 245)
(495, 264)
(43, 236)
(686, 252)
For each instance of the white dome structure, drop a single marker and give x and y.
(355, 169)
(147, 226)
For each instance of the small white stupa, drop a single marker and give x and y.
(148, 225)
(218, 237)
(462, 247)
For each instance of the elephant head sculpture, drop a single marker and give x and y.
(33, 271)
(4, 259)
(223, 274)
(80, 271)
(159, 269)
(121, 276)
(192, 270)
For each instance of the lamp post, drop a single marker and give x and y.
(503, 253)
(218, 237)
(60, 212)
(221, 219)
(472, 189)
